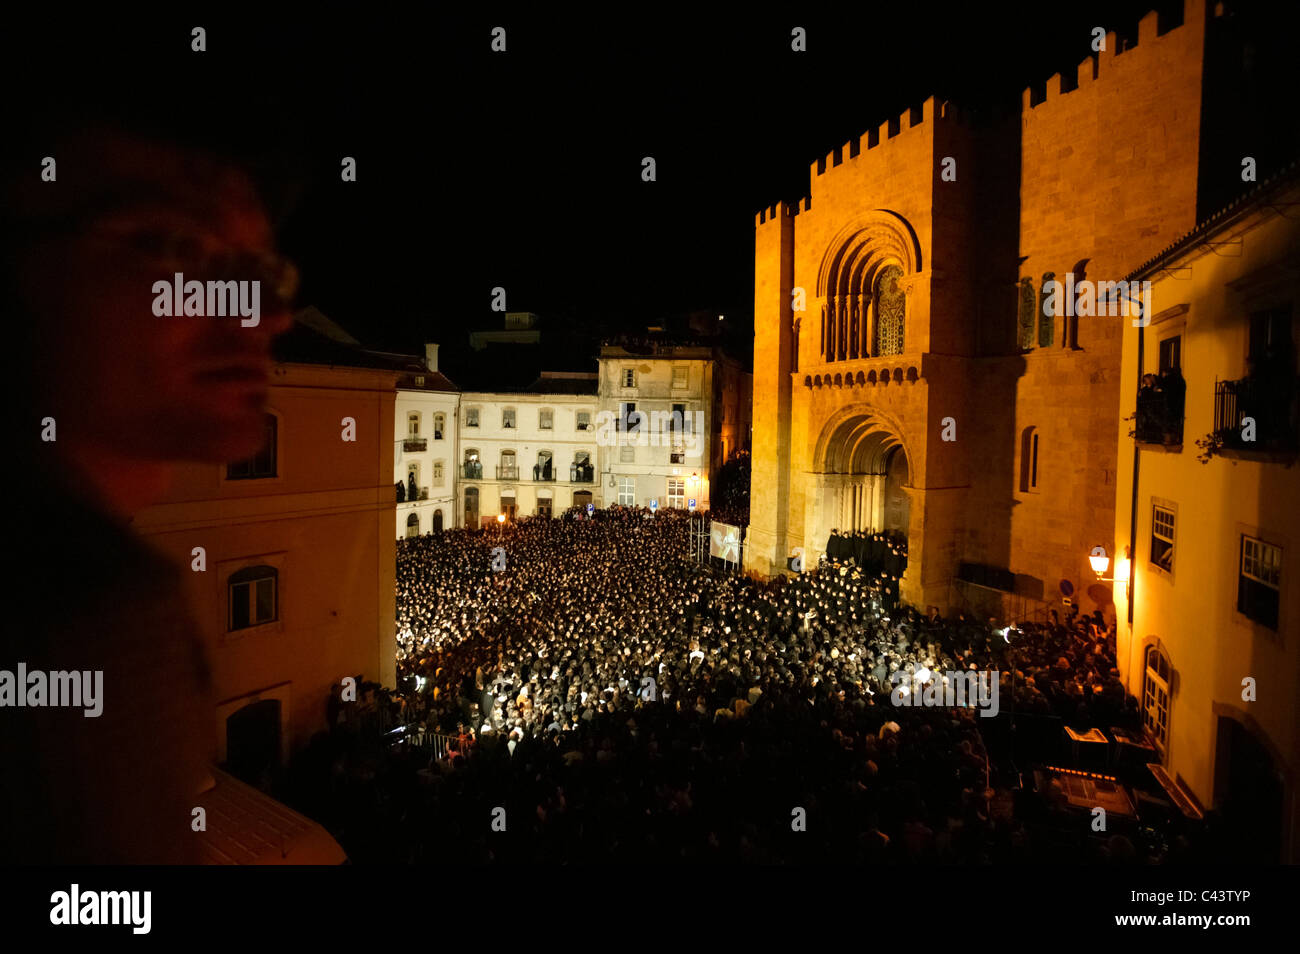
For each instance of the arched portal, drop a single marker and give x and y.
(862, 478)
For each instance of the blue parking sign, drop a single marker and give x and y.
(591, 508)
(691, 503)
(654, 504)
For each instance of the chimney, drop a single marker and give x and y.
(431, 356)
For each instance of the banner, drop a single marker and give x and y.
(724, 542)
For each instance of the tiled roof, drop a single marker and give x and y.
(1221, 218)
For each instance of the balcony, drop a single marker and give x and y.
(582, 474)
(1266, 399)
(409, 494)
(1159, 417)
(677, 457)
(544, 473)
(415, 445)
(508, 472)
(472, 470)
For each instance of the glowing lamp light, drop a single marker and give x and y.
(1123, 567)
(1099, 560)
(501, 518)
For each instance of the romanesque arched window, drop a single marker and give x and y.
(891, 308)
(1025, 323)
(1046, 311)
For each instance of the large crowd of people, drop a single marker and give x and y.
(576, 689)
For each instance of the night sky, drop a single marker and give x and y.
(479, 169)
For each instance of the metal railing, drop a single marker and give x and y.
(1268, 401)
(508, 472)
(1159, 418)
(580, 474)
(472, 470)
(415, 445)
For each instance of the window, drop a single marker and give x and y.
(680, 423)
(508, 417)
(584, 420)
(252, 596)
(439, 425)
(1162, 538)
(419, 380)
(1046, 318)
(891, 307)
(543, 469)
(1171, 354)
(1270, 340)
(473, 466)
(1029, 460)
(413, 424)
(507, 469)
(471, 417)
(1025, 324)
(628, 419)
(262, 464)
(545, 419)
(437, 473)
(627, 491)
(1259, 584)
(471, 507)
(680, 377)
(628, 378)
(413, 525)
(1155, 696)
(677, 492)
(794, 344)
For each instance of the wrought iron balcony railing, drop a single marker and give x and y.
(1257, 412)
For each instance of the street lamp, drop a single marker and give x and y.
(1123, 565)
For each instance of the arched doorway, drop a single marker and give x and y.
(471, 507)
(437, 521)
(581, 498)
(863, 478)
(413, 525)
(253, 743)
(897, 510)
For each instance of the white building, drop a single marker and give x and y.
(425, 448)
(661, 428)
(526, 453)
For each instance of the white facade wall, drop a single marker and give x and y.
(638, 468)
(508, 455)
(433, 459)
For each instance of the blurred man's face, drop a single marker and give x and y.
(121, 377)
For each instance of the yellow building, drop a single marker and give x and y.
(1210, 640)
(292, 554)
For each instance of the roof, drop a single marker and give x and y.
(317, 339)
(245, 827)
(1222, 219)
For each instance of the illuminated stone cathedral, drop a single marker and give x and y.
(906, 376)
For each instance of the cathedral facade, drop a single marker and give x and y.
(906, 377)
